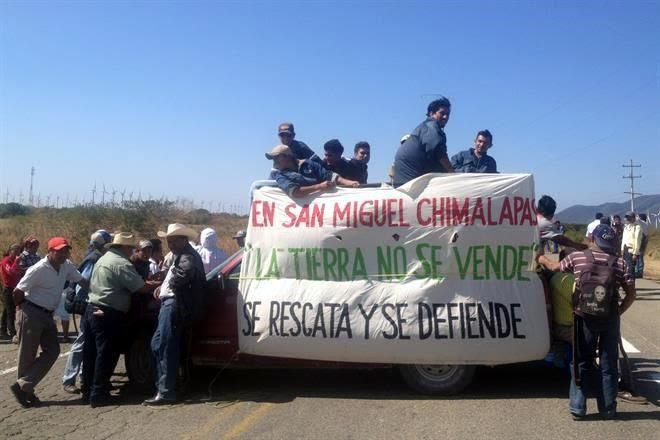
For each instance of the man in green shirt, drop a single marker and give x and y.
(113, 282)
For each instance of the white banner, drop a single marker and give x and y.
(438, 271)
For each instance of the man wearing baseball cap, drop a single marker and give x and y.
(299, 178)
(240, 238)
(38, 294)
(591, 332)
(287, 136)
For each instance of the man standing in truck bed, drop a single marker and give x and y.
(425, 151)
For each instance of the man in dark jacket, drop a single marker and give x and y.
(181, 298)
(476, 159)
(335, 162)
(425, 151)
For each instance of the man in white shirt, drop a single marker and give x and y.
(591, 226)
(631, 242)
(38, 294)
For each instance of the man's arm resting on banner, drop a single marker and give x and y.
(446, 164)
(302, 191)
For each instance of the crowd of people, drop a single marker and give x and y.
(299, 171)
(582, 287)
(116, 267)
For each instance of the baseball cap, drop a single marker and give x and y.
(605, 238)
(279, 150)
(143, 244)
(630, 214)
(239, 234)
(101, 237)
(58, 243)
(286, 127)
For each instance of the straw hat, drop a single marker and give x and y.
(122, 239)
(177, 229)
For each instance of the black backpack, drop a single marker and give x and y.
(75, 301)
(596, 290)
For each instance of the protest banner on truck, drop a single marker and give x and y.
(438, 271)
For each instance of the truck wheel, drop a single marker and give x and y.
(139, 363)
(441, 380)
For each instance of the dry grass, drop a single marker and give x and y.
(145, 219)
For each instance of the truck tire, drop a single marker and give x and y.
(139, 363)
(442, 380)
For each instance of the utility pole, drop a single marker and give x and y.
(632, 184)
(31, 185)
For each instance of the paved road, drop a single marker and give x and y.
(521, 401)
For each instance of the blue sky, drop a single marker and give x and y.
(183, 98)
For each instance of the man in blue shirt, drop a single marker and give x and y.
(299, 178)
(425, 151)
(287, 136)
(476, 159)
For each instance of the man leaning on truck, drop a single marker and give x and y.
(299, 178)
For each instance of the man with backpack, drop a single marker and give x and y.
(599, 274)
(76, 303)
(181, 296)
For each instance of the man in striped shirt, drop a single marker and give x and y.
(592, 332)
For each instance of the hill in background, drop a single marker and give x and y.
(583, 214)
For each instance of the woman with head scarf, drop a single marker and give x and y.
(208, 249)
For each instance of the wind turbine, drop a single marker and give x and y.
(94, 193)
(103, 193)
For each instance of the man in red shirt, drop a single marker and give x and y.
(11, 275)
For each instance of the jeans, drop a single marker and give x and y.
(74, 361)
(627, 257)
(100, 350)
(166, 348)
(639, 266)
(600, 382)
(8, 319)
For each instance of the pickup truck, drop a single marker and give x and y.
(433, 278)
(215, 342)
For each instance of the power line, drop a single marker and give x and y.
(632, 184)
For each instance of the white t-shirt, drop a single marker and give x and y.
(43, 284)
(591, 226)
(165, 290)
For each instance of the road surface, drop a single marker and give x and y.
(520, 401)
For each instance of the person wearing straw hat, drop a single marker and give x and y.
(114, 281)
(181, 298)
(37, 294)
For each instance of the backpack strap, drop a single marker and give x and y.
(590, 256)
(611, 261)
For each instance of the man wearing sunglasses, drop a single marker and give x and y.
(287, 136)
